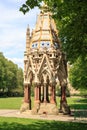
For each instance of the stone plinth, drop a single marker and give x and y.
(48, 108)
(24, 107)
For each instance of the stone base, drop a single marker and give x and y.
(46, 108)
(24, 107)
(64, 108)
(36, 108)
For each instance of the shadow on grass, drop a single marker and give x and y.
(80, 113)
(43, 125)
(82, 100)
(79, 106)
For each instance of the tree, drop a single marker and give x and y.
(2, 72)
(71, 20)
(71, 15)
(20, 81)
(73, 31)
(20, 77)
(11, 77)
(11, 74)
(78, 74)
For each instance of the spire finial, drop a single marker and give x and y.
(44, 7)
(28, 30)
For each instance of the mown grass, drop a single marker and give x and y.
(15, 103)
(77, 102)
(30, 124)
(10, 103)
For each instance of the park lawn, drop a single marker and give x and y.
(10, 103)
(77, 102)
(15, 102)
(10, 123)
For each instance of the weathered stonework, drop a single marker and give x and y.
(44, 62)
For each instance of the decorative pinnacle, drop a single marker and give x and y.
(44, 8)
(28, 30)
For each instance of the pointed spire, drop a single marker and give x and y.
(28, 30)
(44, 8)
(27, 38)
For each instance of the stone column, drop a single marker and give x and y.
(42, 89)
(26, 94)
(40, 93)
(63, 93)
(45, 100)
(27, 98)
(63, 102)
(63, 96)
(29, 95)
(52, 94)
(36, 94)
(36, 99)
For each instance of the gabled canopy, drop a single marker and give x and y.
(45, 33)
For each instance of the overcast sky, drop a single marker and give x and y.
(13, 24)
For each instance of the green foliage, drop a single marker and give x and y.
(58, 92)
(71, 20)
(30, 4)
(78, 74)
(73, 31)
(11, 77)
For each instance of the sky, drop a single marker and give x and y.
(13, 25)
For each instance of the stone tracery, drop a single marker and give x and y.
(43, 63)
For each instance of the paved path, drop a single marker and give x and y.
(16, 113)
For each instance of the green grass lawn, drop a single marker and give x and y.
(77, 102)
(10, 103)
(8, 123)
(15, 103)
(30, 124)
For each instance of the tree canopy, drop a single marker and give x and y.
(11, 77)
(78, 74)
(71, 20)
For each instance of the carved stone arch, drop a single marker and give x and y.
(30, 76)
(46, 75)
(41, 79)
(46, 71)
(48, 79)
(43, 62)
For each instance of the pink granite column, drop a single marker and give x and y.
(63, 93)
(52, 96)
(36, 94)
(45, 93)
(40, 93)
(27, 93)
(63, 96)
(29, 96)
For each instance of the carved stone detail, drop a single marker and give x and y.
(44, 62)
